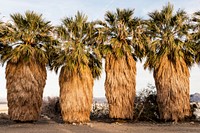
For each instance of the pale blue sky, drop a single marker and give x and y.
(55, 10)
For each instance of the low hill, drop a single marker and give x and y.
(3, 100)
(99, 99)
(195, 97)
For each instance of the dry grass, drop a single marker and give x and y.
(120, 86)
(172, 83)
(76, 94)
(25, 84)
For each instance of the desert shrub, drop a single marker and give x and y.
(4, 116)
(146, 108)
(195, 111)
(51, 108)
(99, 110)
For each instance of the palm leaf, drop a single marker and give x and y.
(27, 36)
(168, 35)
(123, 34)
(196, 35)
(78, 46)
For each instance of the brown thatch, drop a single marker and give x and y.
(25, 84)
(172, 83)
(76, 93)
(120, 86)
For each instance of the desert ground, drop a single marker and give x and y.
(49, 126)
(46, 125)
(3, 108)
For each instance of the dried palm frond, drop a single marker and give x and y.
(120, 86)
(25, 84)
(76, 94)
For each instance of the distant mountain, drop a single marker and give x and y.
(99, 99)
(195, 97)
(3, 100)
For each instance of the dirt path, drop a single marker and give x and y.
(48, 126)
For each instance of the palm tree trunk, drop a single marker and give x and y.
(172, 83)
(120, 86)
(76, 94)
(25, 84)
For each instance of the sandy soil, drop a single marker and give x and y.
(46, 125)
(3, 108)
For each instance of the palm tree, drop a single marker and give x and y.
(169, 56)
(122, 47)
(27, 37)
(80, 63)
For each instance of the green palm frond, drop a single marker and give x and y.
(168, 35)
(78, 46)
(27, 36)
(123, 33)
(196, 35)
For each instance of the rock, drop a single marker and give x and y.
(89, 124)
(196, 110)
(195, 97)
(46, 117)
(117, 123)
(74, 124)
(191, 122)
(197, 113)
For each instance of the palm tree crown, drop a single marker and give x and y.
(124, 33)
(27, 36)
(168, 36)
(196, 35)
(77, 49)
